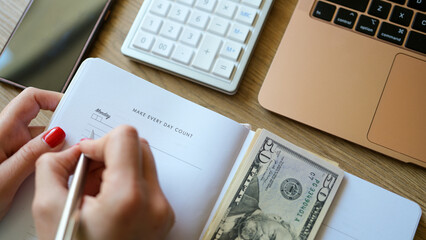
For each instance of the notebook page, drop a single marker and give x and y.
(194, 148)
(362, 210)
(234, 169)
(18, 223)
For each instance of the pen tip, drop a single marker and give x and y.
(92, 135)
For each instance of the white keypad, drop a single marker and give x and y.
(171, 30)
(143, 41)
(163, 47)
(187, 2)
(253, 3)
(198, 19)
(246, 15)
(183, 54)
(191, 37)
(160, 7)
(207, 5)
(231, 50)
(219, 26)
(179, 13)
(223, 68)
(200, 39)
(226, 9)
(239, 32)
(207, 52)
(152, 24)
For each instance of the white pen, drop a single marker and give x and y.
(70, 216)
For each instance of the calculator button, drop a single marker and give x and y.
(152, 24)
(143, 41)
(246, 15)
(163, 47)
(171, 30)
(160, 7)
(206, 5)
(239, 32)
(191, 37)
(187, 2)
(219, 26)
(253, 3)
(183, 54)
(231, 50)
(207, 53)
(198, 19)
(223, 68)
(179, 13)
(226, 9)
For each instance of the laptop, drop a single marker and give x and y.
(357, 70)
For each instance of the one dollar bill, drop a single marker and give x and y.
(280, 191)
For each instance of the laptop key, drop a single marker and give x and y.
(367, 25)
(416, 41)
(359, 5)
(417, 4)
(419, 22)
(401, 15)
(392, 33)
(402, 25)
(402, 2)
(379, 9)
(345, 18)
(324, 11)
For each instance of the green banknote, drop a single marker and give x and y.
(280, 191)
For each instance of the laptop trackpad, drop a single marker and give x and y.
(400, 120)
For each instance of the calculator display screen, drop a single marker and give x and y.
(48, 43)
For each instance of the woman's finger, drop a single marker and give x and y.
(149, 170)
(94, 178)
(21, 164)
(120, 151)
(51, 188)
(27, 105)
(53, 171)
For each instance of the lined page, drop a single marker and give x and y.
(194, 148)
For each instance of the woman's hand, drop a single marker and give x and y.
(130, 203)
(20, 144)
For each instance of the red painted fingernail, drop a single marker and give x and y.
(84, 139)
(54, 137)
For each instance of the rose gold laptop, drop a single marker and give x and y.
(355, 69)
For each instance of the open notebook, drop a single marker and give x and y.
(202, 149)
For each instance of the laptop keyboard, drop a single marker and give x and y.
(398, 22)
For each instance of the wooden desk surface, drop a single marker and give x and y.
(406, 180)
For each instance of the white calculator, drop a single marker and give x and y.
(205, 41)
